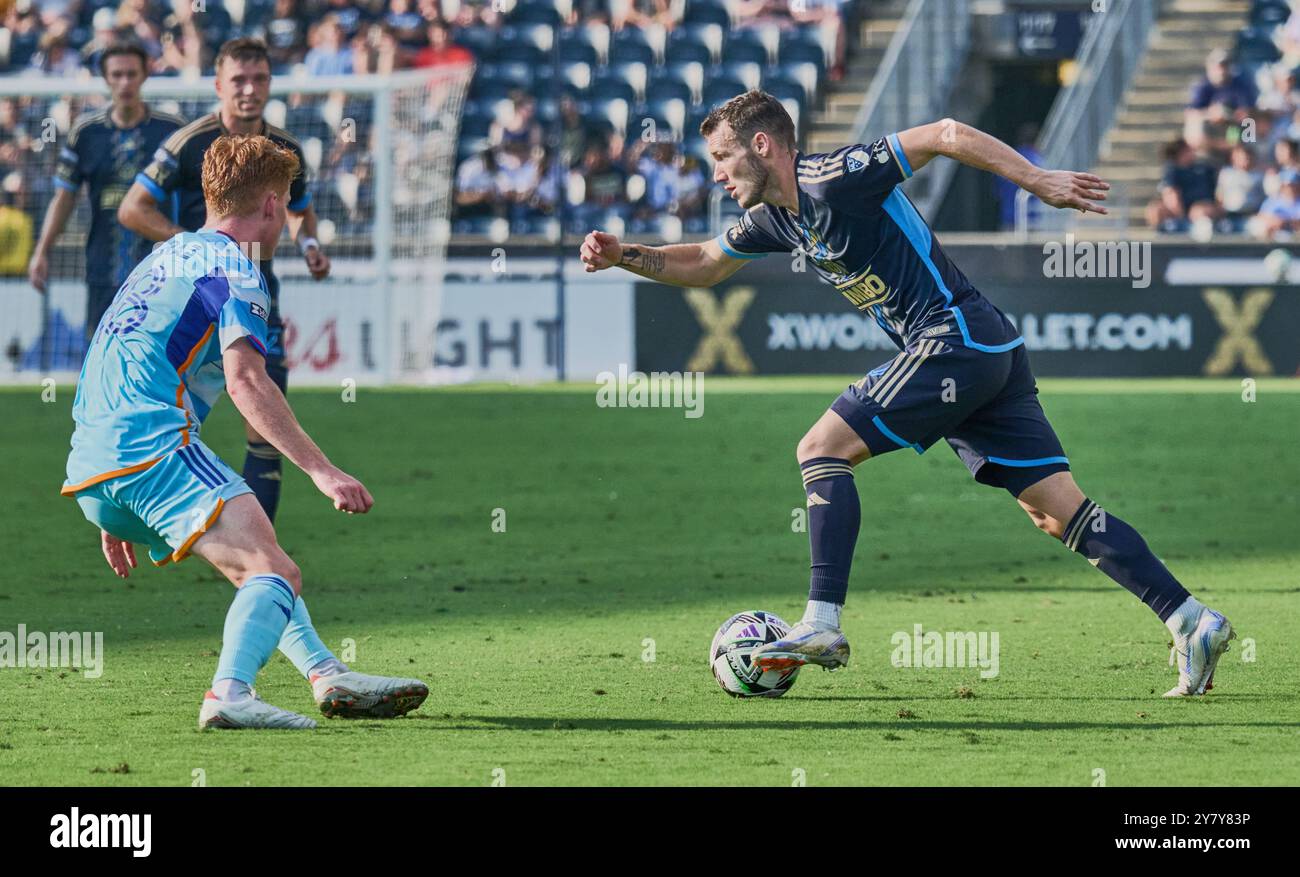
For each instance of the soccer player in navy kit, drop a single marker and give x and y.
(962, 374)
(244, 87)
(104, 151)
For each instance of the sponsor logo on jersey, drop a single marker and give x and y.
(941, 329)
(257, 309)
(880, 152)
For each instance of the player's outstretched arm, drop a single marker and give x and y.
(139, 213)
(702, 264)
(971, 146)
(56, 217)
(264, 407)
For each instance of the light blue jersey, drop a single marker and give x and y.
(153, 370)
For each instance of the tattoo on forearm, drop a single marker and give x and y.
(651, 262)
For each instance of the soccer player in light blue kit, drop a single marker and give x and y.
(189, 322)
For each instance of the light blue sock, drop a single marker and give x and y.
(257, 617)
(300, 643)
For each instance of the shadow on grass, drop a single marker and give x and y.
(533, 723)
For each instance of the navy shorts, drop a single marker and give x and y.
(984, 404)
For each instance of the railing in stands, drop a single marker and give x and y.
(1083, 112)
(915, 79)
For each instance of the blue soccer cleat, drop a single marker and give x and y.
(804, 644)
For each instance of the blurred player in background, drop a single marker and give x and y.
(105, 150)
(963, 374)
(190, 322)
(244, 87)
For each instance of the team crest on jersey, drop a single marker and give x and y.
(856, 160)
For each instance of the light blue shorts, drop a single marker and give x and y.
(167, 506)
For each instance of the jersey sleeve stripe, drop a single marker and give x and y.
(301, 204)
(154, 189)
(899, 156)
(64, 184)
(733, 252)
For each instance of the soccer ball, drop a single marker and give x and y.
(729, 655)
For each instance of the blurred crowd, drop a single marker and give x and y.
(1236, 167)
(534, 148)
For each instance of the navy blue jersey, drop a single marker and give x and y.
(106, 159)
(177, 168)
(865, 238)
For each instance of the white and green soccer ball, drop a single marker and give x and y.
(734, 644)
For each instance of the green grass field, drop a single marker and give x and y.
(625, 526)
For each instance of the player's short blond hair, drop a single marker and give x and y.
(238, 170)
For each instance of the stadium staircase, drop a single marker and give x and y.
(832, 125)
(1185, 33)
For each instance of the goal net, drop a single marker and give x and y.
(380, 154)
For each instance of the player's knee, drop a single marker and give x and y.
(814, 445)
(1049, 525)
(288, 570)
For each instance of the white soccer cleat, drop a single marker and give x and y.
(1198, 653)
(251, 712)
(355, 695)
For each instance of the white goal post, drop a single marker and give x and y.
(381, 154)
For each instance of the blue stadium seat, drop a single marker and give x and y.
(631, 44)
(684, 46)
(667, 83)
(476, 124)
(781, 86)
(479, 39)
(744, 46)
(707, 12)
(1269, 13)
(535, 12)
(1255, 46)
(608, 82)
(576, 45)
(719, 89)
(518, 73)
(804, 72)
(796, 49)
(668, 113)
(522, 48)
(747, 72)
(575, 76)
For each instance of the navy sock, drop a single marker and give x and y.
(834, 515)
(262, 466)
(1120, 552)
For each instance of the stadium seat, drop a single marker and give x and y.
(634, 73)
(575, 75)
(577, 44)
(1255, 45)
(806, 74)
(720, 89)
(670, 112)
(1269, 13)
(797, 46)
(782, 86)
(476, 123)
(631, 44)
(522, 47)
(707, 12)
(685, 46)
(746, 71)
(610, 111)
(611, 83)
(480, 39)
(535, 12)
(668, 84)
(710, 36)
(744, 46)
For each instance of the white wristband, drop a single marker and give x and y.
(307, 243)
